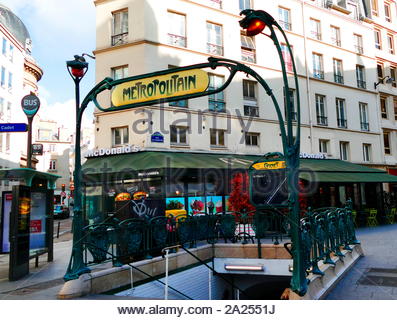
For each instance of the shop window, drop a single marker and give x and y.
(120, 27)
(383, 107)
(364, 116)
(386, 142)
(217, 137)
(252, 139)
(216, 102)
(119, 72)
(214, 39)
(293, 113)
(176, 29)
(344, 150)
(360, 75)
(284, 18)
(119, 136)
(178, 135)
(366, 152)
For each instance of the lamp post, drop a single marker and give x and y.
(254, 22)
(77, 68)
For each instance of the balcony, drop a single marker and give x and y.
(285, 25)
(342, 123)
(214, 49)
(364, 126)
(319, 74)
(315, 35)
(361, 84)
(336, 42)
(251, 111)
(119, 39)
(216, 105)
(338, 78)
(359, 49)
(176, 40)
(322, 120)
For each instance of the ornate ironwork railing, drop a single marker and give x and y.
(324, 233)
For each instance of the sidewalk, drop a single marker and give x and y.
(374, 277)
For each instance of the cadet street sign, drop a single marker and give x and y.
(13, 127)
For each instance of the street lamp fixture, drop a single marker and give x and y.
(77, 68)
(388, 80)
(254, 22)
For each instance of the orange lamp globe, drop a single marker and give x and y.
(78, 73)
(255, 27)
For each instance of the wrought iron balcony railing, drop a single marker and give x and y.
(119, 39)
(359, 49)
(214, 49)
(319, 74)
(361, 84)
(338, 78)
(322, 120)
(364, 126)
(248, 55)
(342, 123)
(285, 25)
(336, 42)
(176, 40)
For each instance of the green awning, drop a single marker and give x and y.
(156, 162)
(28, 175)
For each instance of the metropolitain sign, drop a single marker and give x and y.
(160, 87)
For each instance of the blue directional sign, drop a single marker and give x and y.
(13, 127)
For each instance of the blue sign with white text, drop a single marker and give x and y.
(13, 127)
(157, 137)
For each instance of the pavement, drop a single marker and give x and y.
(373, 277)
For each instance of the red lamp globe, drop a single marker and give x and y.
(255, 27)
(78, 73)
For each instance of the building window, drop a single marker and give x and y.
(360, 75)
(321, 110)
(120, 27)
(119, 136)
(338, 71)
(3, 76)
(344, 150)
(315, 29)
(341, 113)
(379, 70)
(393, 75)
(244, 4)
(395, 108)
(387, 12)
(364, 121)
(53, 164)
(119, 72)
(4, 47)
(284, 18)
(217, 137)
(386, 142)
(323, 146)
(178, 135)
(293, 113)
(383, 107)
(176, 29)
(287, 57)
(248, 52)
(179, 103)
(390, 41)
(354, 10)
(250, 101)
(214, 39)
(11, 53)
(318, 71)
(378, 39)
(215, 3)
(9, 80)
(216, 102)
(335, 36)
(374, 4)
(358, 43)
(366, 152)
(251, 139)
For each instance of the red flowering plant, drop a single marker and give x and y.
(239, 201)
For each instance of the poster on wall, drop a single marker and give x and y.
(227, 204)
(175, 203)
(214, 204)
(196, 205)
(5, 221)
(38, 221)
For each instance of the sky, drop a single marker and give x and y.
(59, 29)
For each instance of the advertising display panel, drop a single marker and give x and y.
(5, 221)
(38, 221)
